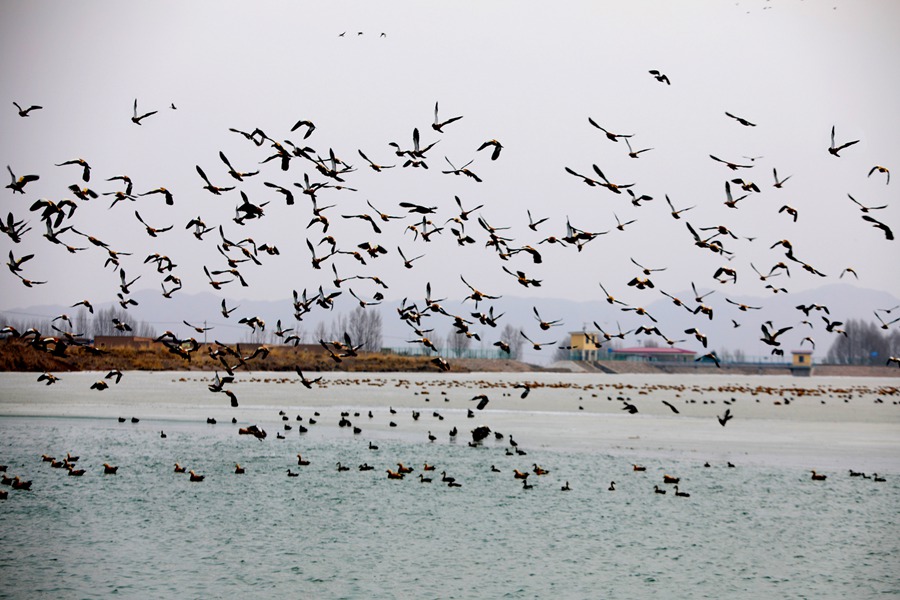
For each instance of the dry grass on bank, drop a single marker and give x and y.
(19, 356)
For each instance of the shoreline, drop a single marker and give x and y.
(836, 423)
(16, 356)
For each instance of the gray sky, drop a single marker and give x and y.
(526, 73)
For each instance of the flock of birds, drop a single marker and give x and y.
(481, 436)
(325, 174)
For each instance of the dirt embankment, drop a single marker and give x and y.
(19, 356)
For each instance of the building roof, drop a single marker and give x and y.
(659, 351)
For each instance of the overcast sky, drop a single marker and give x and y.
(529, 74)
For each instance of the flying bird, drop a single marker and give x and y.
(709, 356)
(375, 167)
(740, 120)
(632, 153)
(771, 338)
(86, 168)
(137, 119)
(730, 201)
(231, 171)
(151, 231)
(726, 417)
(614, 137)
(731, 165)
(833, 150)
(23, 112)
(779, 182)
(212, 188)
(161, 190)
(676, 214)
(18, 184)
(438, 124)
(463, 170)
(660, 77)
(669, 404)
(789, 210)
(310, 127)
(881, 169)
(495, 154)
(482, 401)
(888, 234)
(865, 208)
(15, 264)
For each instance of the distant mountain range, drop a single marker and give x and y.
(844, 302)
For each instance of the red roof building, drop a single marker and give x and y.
(653, 354)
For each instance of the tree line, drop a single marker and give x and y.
(84, 324)
(864, 343)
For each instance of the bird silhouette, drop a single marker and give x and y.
(834, 150)
(25, 112)
(137, 119)
(725, 417)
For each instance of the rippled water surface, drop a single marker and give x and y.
(762, 529)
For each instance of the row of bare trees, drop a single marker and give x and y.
(103, 321)
(458, 344)
(865, 343)
(363, 326)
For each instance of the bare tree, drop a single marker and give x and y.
(364, 327)
(511, 336)
(458, 343)
(257, 335)
(338, 328)
(320, 332)
(563, 351)
(862, 344)
(115, 321)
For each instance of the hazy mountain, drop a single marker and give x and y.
(844, 301)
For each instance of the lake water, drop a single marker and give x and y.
(763, 529)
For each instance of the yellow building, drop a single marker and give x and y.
(801, 358)
(801, 362)
(585, 345)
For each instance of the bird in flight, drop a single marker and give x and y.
(731, 165)
(86, 168)
(888, 234)
(779, 182)
(18, 184)
(310, 127)
(137, 119)
(881, 169)
(726, 417)
(212, 188)
(614, 137)
(676, 214)
(23, 112)
(633, 153)
(740, 120)
(660, 77)
(669, 404)
(375, 167)
(864, 208)
(495, 154)
(438, 124)
(833, 150)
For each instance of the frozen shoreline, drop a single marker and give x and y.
(777, 420)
